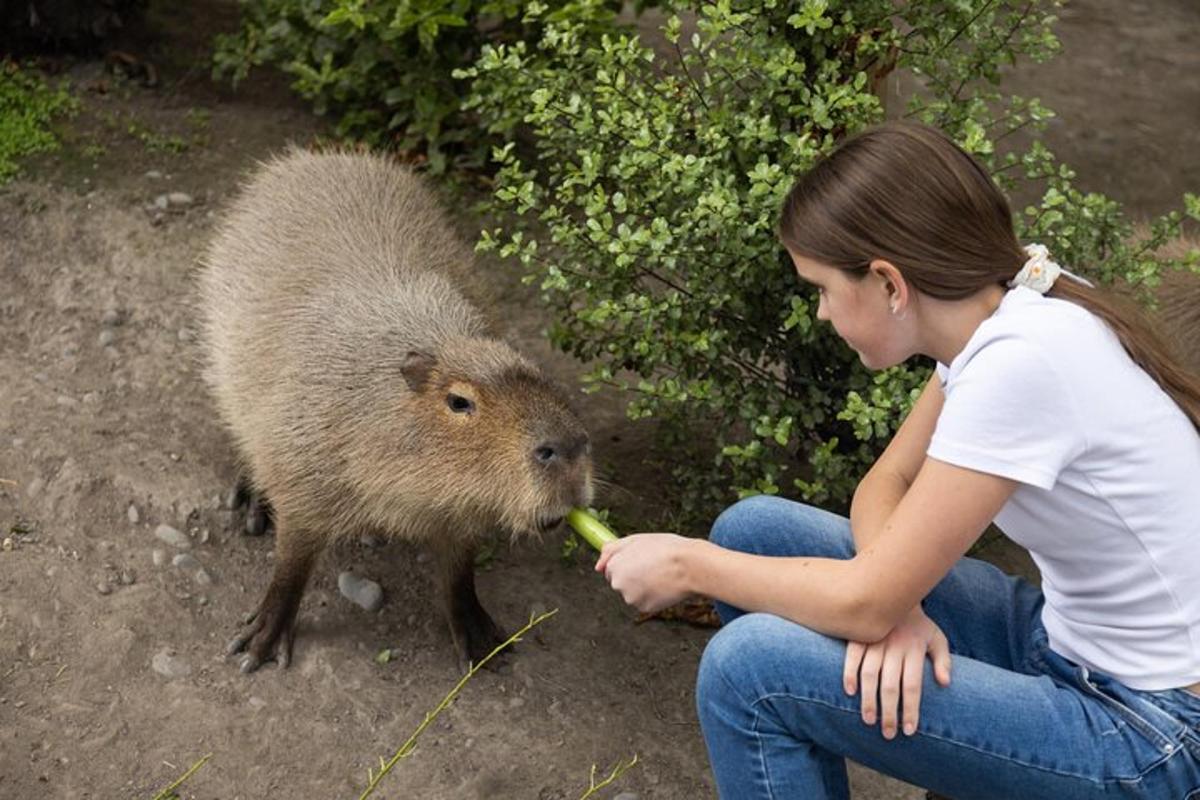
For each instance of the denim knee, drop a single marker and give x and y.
(738, 527)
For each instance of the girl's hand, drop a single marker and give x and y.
(647, 569)
(892, 669)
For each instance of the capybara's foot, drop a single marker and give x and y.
(476, 635)
(267, 636)
(259, 516)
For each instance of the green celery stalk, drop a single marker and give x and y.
(591, 529)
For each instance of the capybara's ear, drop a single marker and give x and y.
(416, 369)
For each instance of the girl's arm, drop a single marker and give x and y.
(880, 490)
(861, 599)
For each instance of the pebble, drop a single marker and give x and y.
(173, 536)
(159, 557)
(112, 318)
(360, 591)
(154, 175)
(256, 702)
(35, 486)
(91, 398)
(107, 337)
(132, 513)
(186, 561)
(127, 577)
(170, 666)
(179, 199)
(202, 577)
(8, 544)
(103, 588)
(161, 202)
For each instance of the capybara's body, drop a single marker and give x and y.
(361, 386)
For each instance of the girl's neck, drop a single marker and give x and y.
(947, 325)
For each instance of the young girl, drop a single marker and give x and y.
(1054, 413)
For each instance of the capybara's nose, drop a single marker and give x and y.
(566, 449)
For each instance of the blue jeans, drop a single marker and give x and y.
(1017, 722)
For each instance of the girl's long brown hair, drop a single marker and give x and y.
(907, 194)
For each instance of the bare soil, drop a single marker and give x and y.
(112, 674)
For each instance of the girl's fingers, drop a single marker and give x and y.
(939, 653)
(854, 657)
(889, 691)
(914, 676)
(869, 682)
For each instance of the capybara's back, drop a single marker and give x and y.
(361, 386)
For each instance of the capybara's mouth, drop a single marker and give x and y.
(545, 525)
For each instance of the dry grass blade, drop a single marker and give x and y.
(169, 792)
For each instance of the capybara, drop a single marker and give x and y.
(364, 390)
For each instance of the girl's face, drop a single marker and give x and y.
(860, 310)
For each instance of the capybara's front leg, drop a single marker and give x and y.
(475, 634)
(269, 632)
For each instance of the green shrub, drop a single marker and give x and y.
(383, 68)
(646, 204)
(27, 107)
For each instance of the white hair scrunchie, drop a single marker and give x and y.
(1040, 271)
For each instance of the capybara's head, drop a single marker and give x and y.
(492, 437)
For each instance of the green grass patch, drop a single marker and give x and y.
(27, 108)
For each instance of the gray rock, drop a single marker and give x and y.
(170, 666)
(103, 587)
(202, 577)
(179, 199)
(112, 318)
(107, 337)
(154, 175)
(161, 202)
(186, 561)
(173, 537)
(132, 513)
(360, 591)
(159, 557)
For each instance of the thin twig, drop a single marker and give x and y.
(373, 778)
(617, 772)
(169, 792)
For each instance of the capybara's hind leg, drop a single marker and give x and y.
(259, 516)
(475, 634)
(269, 631)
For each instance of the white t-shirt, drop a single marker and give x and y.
(1108, 501)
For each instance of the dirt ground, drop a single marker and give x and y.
(112, 678)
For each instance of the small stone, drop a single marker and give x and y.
(132, 513)
(158, 556)
(91, 398)
(127, 577)
(112, 318)
(203, 536)
(257, 703)
(201, 600)
(154, 175)
(173, 537)
(185, 561)
(66, 401)
(170, 666)
(161, 202)
(179, 199)
(35, 486)
(103, 588)
(107, 337)
(8, 544)
(202, 577)
(362, 592)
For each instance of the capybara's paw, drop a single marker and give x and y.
(266, 636)
(259, 516)
(478, 636)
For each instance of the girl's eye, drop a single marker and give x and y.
(459, 404)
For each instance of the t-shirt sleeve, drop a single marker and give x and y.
(1007, 412)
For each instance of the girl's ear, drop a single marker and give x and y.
(892, 282)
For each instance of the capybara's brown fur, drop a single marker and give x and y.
(363, 390)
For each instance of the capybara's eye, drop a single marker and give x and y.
(459, 404)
